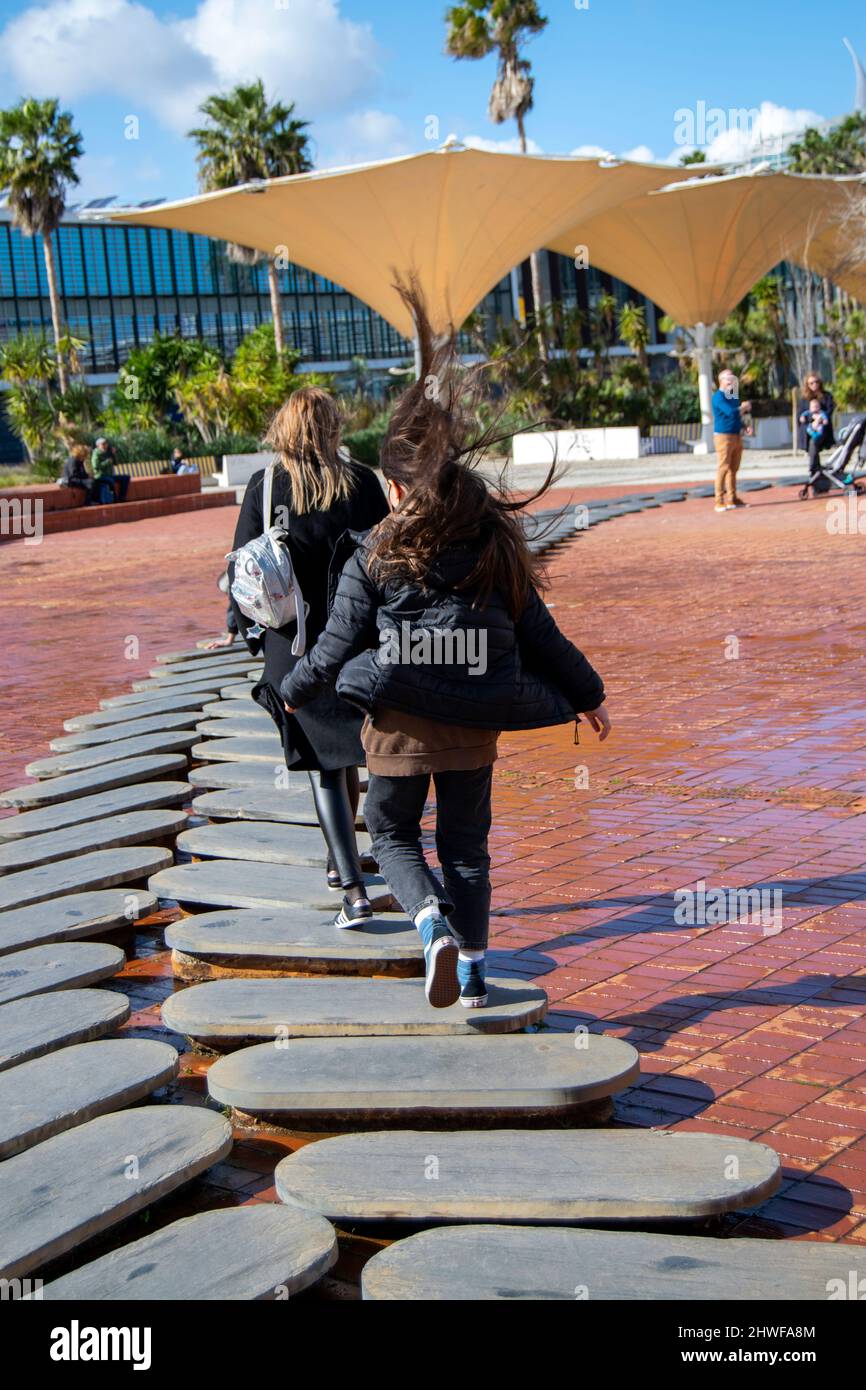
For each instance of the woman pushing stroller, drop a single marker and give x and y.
(438, 633)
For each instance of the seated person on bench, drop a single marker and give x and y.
(108, 485)
(75, 474)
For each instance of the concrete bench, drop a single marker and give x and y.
(239, 1253)
(258, 942)
(509, 1175)
(49, 1095)
(99, 1174)
(485, 1263)
(407, 1081)
(42, 1023)
(226, 1014)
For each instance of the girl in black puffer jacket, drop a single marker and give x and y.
(437, 632)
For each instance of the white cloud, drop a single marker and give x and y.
(361, 137)
(305, 53)
(641, 154)
(591, 152)
(511, 146)
(729, 137)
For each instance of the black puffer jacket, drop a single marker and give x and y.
(507, 675)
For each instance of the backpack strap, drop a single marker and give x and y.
(267, 498)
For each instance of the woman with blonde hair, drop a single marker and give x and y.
(318, 494)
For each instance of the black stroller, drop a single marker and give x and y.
(844, 466)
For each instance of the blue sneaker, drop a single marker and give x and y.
(440, 958)
(470, 977)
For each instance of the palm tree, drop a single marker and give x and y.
(477, 28)
(634, 332)
(247, 138)
(38, 149)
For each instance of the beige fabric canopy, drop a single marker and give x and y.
(461, 217)
(696, 248)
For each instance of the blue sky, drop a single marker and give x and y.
(370, 74)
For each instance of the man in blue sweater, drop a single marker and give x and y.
(728, 439)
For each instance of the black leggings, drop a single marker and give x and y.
(336, 794)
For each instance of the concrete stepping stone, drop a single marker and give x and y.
(95, 779)
(76, 916)
(398, 1079)
(80, 759)
(138, 796)
(227, 1013)
(244, 883)
(132, 728)
(236, 709)
(252, 776)
(508, 1175)
(151, 687)
(291, 805)
(239, 1253)
(191, 705)
(48, 1095)
(42, 1023)
(255, 942)
(155, 690)
(240, 661)
(62, 965)
(238, 690)
(100, 869)
(259, 723)
(191, 654)
(265, 841)
(485, 1263)
(250, 748)
(131, 828)
(83, 1182)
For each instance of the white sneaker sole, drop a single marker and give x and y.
(478, 1003)
(441, 986)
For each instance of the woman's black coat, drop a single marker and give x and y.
(326, 734)
(828, 438)
(532, 677)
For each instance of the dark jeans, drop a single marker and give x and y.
(393, 811)
(814, 458)
(114, 489)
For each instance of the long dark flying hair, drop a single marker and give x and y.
(431, 447)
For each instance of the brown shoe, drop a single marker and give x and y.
(719, 507)
(738, 502)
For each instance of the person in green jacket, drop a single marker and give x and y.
(109, 485)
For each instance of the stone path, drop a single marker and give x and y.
(293, 804)
(131, 828)
(137, 796)
(99, 869)
(73, 915)
(244, 883)
(81, 759)
(64, 965)
(74, 784)
(42, 1023)
(264, 841)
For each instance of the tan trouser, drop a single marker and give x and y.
(729, 448)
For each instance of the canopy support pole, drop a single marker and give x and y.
(704, 333)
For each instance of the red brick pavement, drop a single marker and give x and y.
(732, 650)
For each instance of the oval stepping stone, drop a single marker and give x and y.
(244, 883)
(253, 776)
(239, 1253)
(292, 805)
(64, 965)
(252, 748)
(201, 652)
(85, 1181)
(256, 942)
(260, 723)
(236, 709)
(138, 796)
(75, 916)
(95, 779)
(238, 690)
(265, 841)
(400, 1078)
(595, 1175)
(80, 759)
(133, 728)
(101, 869)
(512, 1262)
(41, 1023)
(152, 689)
(51, 1094)
(226, 1013)
(132, 828)
(168, 704)
(240, 661)
(202, 689)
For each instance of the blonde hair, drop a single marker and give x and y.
(305, 436)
